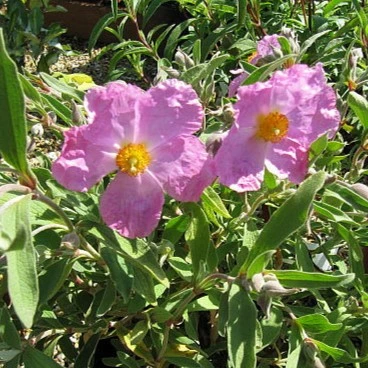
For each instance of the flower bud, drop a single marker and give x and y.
(173, 73)
(37, 130)
(50, 119)
(360, 189)
(311, 352)
(77, 115)
(292, 38)
(70, 241)
(31, 144)
(228, 114)
(165, 247)
(214, 142)
(354, 56)
(183, 59)
(273, 288)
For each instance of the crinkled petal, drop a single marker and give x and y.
(183, 167)
(81, 163)
(168, 110)
(112, 113)
(253, 100)
(288, 159)
(240, 160)
(302, 94)
(267, 45)
(132, 205)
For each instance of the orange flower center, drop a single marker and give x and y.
(252, 56)
(272, 127)
(133, 159)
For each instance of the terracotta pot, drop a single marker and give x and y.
(81, 17)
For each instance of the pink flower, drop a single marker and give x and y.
(147, 138)
(275, 123)
(265, 47)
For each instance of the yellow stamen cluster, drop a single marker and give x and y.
(272, 127)
(252, 56)
(133, 159)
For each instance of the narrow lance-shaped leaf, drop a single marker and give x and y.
(198, 238)
(33, 358)
(22, 272)
(12, 118)
(310, 280)
(292, 214)
(360, 107)
(242, 329)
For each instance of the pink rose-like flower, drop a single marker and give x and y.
(265, 47)
(146, 136)
(275, 123)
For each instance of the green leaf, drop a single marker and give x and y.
(120, 271)
(241, 329)
(63, 112)
(52, 279)
(144, 286)
(241, 12)
(263, 72)
(8, 332)
(174, 38)
(309, 42)
(153, 5)
(317, 323)
(33, 358)
(198, 238)
(271, 327)
(183, 269)
(309, 280)
(291, 215)
(30, 91)
(22, 272)
(332, 213)
(183, 362)
(100, 26)
(337, 354)
(175, 228)
(86, 355)
(351, 196)
(198, 72)
(208, 44)
(137, 252)
(356, 257)
(108, 299)
(13, 124)
(360, 107)
(205, 303)
(213, 200)
(62, 87)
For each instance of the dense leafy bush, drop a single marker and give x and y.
(253, 122)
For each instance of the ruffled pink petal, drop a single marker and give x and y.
(287, 159)
(183, 167)
(112, 113)
(240, 160)
(253, 101)
(267, 45)
(132, 205)
(302, 94)
(81, 163)
(168, 110)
